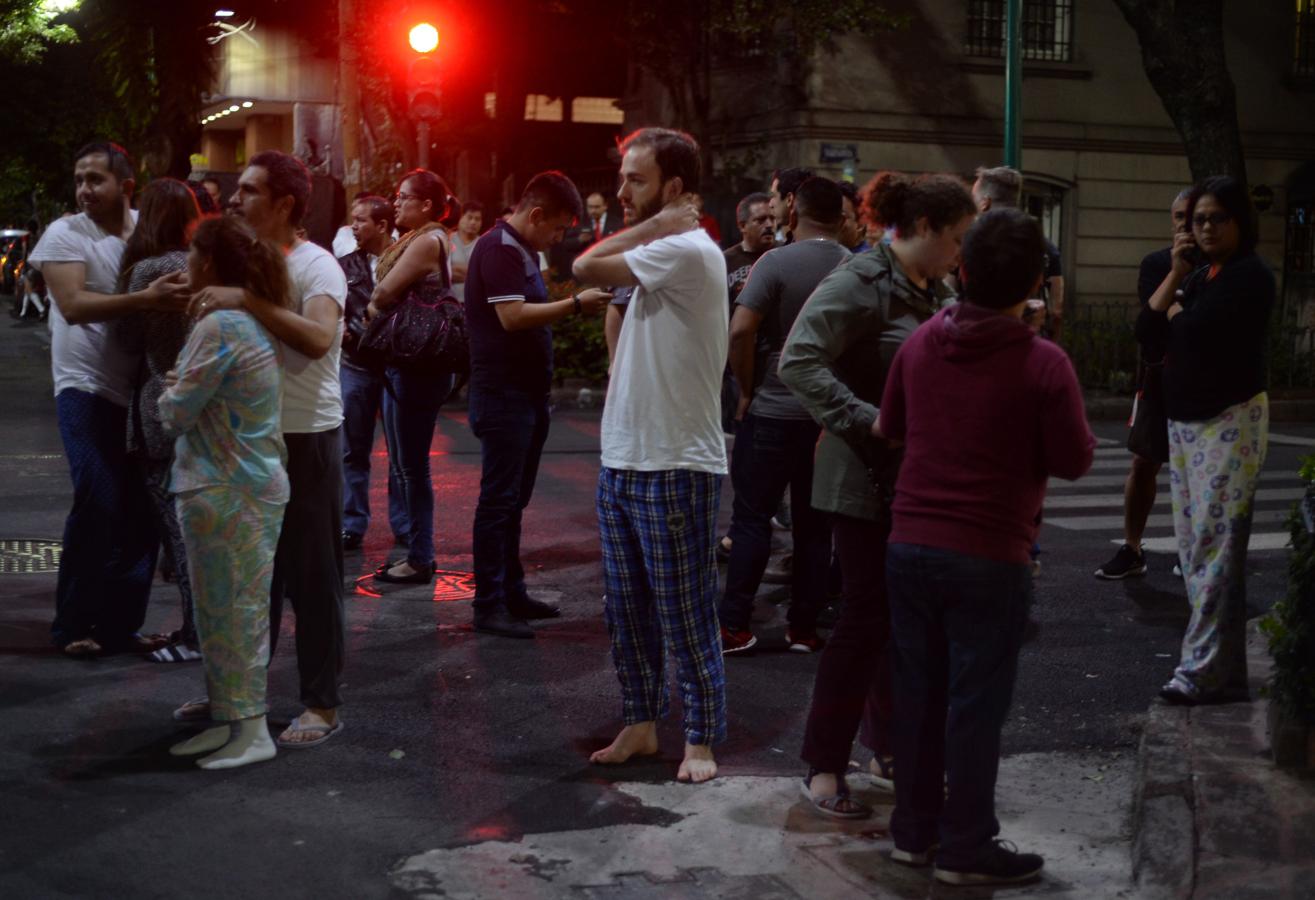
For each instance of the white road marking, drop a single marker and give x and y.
(1115, 501)
(1265, 540)
(1100, 523)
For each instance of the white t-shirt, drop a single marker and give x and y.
(86, 357)
(664, 401)
(312, 397)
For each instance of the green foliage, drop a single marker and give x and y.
(579, 348)
(1290, 626)
(29, 27)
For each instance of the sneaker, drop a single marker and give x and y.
(502, 623)
(737, 641)
(803, 642)
(999, 863)
(914, 858)
(1127, 563)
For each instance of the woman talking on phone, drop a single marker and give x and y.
(1211, 315)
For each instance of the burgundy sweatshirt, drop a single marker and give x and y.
(987, 411)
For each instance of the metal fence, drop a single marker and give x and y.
(1102, 344)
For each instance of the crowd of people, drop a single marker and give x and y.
(880, 357)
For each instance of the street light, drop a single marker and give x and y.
(424, 38)
(423, 85)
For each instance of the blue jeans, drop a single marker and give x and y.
(110, 540)
(410, 414)
(362, 395)
(512, 427)
(769, 456)
(957, 624)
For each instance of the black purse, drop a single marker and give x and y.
(425, 334)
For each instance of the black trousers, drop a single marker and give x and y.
(308, 565)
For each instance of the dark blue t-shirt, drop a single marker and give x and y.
(504, 268)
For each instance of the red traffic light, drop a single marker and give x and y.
(424, 38)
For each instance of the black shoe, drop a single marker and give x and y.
(529, 608)
(1127, 563)
(423, 575)
(351, 540)
(502, 623)
(1000, 863)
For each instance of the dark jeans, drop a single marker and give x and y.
(769, 456)
(362, 396)
(957, 623)
(855, 672)
(410, 413)
(512, 427)
(110, 541)
(308, 565)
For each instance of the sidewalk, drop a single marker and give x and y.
(1214, 818)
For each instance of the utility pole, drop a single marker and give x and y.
(1014, 84)
(350, 99)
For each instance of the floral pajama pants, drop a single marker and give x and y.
(1214, 467)
(231, 537)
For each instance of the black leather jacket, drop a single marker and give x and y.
(360, 285)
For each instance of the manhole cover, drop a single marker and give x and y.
(453, 585)
(27, 557)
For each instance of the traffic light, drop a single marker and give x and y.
(423, 84)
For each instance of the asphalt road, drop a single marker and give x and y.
(453, 738)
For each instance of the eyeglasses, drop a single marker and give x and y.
(1214, 219)
(401, 196)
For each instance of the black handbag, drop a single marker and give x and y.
(425, 334)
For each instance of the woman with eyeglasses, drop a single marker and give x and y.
(412, 400)
(1211, 317)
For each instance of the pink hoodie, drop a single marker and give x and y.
(988, 412)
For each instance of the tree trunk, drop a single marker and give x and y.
(1182, 43)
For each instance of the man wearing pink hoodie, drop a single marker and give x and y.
(987, 413)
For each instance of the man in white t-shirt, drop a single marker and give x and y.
(272, 196)
(663, 452)
(110, 540)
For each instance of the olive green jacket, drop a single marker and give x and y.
(835, 361)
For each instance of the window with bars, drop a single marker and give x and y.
(1047, 29)
(1303, 56)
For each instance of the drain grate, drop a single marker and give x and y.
(29, 557)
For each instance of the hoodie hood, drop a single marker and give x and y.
(966, 332)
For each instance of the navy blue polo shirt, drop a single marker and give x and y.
(503, 268)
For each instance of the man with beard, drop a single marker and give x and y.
(663, 454)
(109, 538)
(272, 196)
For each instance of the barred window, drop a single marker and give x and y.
(1047, 29)
(1303, 56)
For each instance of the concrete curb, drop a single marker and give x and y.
(1163, 812)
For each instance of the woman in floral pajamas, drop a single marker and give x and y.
(1211, 316)
(229, 477)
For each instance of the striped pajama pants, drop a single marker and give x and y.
(660, 575)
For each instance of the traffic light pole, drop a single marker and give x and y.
(1014, 84)
(422, 142)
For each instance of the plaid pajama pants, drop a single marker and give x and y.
(660, 574)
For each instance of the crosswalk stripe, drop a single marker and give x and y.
(1109, 481)
(1080, 501)
(1291, 440)
(1100, 523)
(1264, 540)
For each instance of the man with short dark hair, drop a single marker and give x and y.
(1148, 433)
(272, 196)
(958, 561)
(214, 189)
(784, 183)
(775, 435)
(663, 452)
(110, 540)
(510, 319)
(753, 215)
(468, 230)
(372, 222)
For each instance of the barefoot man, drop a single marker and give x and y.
(663, 452)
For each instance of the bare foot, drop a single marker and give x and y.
(634, 740)
(698, 765)
(310, 718)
